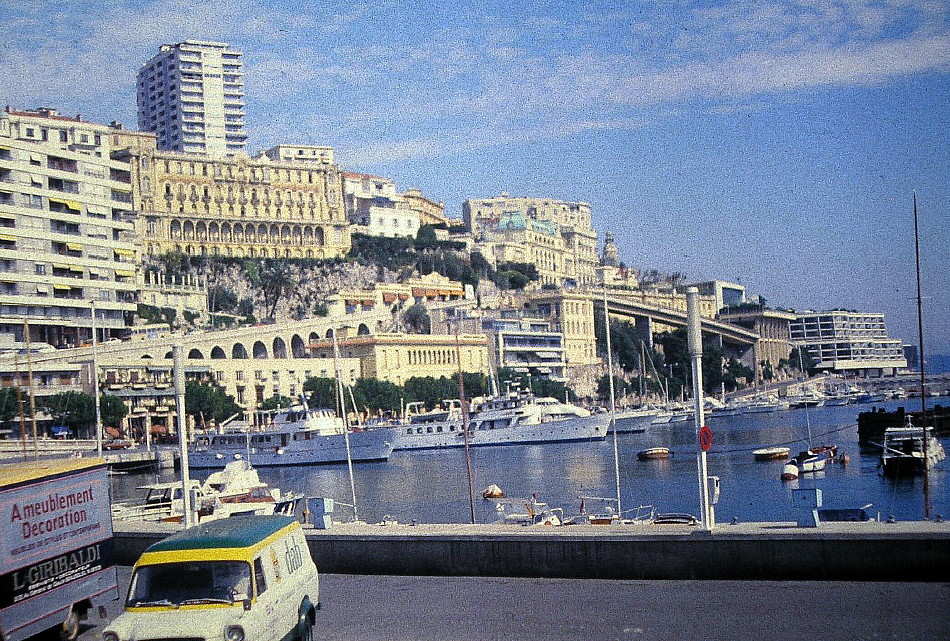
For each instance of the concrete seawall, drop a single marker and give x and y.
(908, 551)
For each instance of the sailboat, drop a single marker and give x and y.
(814, 458)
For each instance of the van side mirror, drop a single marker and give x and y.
(247, 605)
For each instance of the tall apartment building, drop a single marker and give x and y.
(849, 342)
(66, 230)
(235, 206)
(191, 95)
(576, 258)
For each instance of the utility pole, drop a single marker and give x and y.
(695, 336)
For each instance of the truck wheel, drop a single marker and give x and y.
(69, 629)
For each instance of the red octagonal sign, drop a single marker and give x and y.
(705, 438)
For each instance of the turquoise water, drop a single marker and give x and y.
(431, 485)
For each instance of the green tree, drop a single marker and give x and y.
(75, 410)
(276, 402)
(276, 280)
(621, 388)
(321, 392)
(112, 410)
(207, 402)
(426, 238)
(9, 408)
(376, 395)
(417, 318)
(221, 299)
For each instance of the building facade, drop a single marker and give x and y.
(575, 256)
(319, 154)
(67, 238)
(772, 326)
(527, 345)
(191, 96)
(377, 209)
(851, 343)
(236, 206)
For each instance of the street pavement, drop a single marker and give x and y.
(397, 608)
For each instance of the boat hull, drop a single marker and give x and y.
(587, 428)
(365, 446)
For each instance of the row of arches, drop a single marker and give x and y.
(276, 348)
(285, 234)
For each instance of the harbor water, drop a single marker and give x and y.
(431, 486)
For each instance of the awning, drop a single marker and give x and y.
(389, 298)
(62, 288)
(64, 203)
(127, 273)
(36, 158)
(76, 268)
(74, 247)
(72, 204)
(61, 266)
(9, 238)
(124, 252)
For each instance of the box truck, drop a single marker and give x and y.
(56, 545)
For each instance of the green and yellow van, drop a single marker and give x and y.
(243, 577)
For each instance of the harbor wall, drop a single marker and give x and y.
(918, 551)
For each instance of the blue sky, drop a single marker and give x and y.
(773, 143)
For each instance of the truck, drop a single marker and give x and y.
(57, 552)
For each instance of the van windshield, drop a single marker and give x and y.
(192, 582)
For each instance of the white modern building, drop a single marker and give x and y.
(191, 95)
(320, 154)
(374, 204)
(848, 342)
(66, 230)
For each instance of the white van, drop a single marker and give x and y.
(243, 577)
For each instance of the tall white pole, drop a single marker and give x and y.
(179, 378)
(95, 380)
(695, 336)
(613, 410)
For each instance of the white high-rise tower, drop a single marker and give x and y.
(191, 95)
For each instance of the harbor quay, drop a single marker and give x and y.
(913, 551)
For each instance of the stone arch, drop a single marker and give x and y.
(217, 353)
(174, 229)
(146, 356)
(260, 350)
(362, 330)
(168, 355)
(297, 347)
(195, 353)
(318, 236)
(188, 230)
(201, 230)
(238, 351)
(314, 337)
(279, 348)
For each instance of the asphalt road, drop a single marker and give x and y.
(396, 608)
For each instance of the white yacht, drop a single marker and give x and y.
(903, 450)
(298, 436)
(501, 420)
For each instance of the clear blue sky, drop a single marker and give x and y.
(773, 143)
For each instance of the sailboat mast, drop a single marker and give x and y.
(341, 403)
(613, 410)
(923, 378)
(465, 425)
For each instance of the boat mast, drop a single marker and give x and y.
(464, 408)
(923, 378)
(801, 364)
(341, 403)
(613, 409)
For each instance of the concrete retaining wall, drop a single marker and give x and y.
(840, 552)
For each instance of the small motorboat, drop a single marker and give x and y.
(654, 453)
(771, 453)
(804, 463)
(493, 492)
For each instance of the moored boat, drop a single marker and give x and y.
(512, 419)
(653, 453)
(771, 453)
(298, 436)
(903, 450)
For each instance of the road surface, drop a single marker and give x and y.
(398, 608)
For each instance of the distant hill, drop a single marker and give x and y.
(938, 363)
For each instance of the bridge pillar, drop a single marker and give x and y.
(644, 327)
